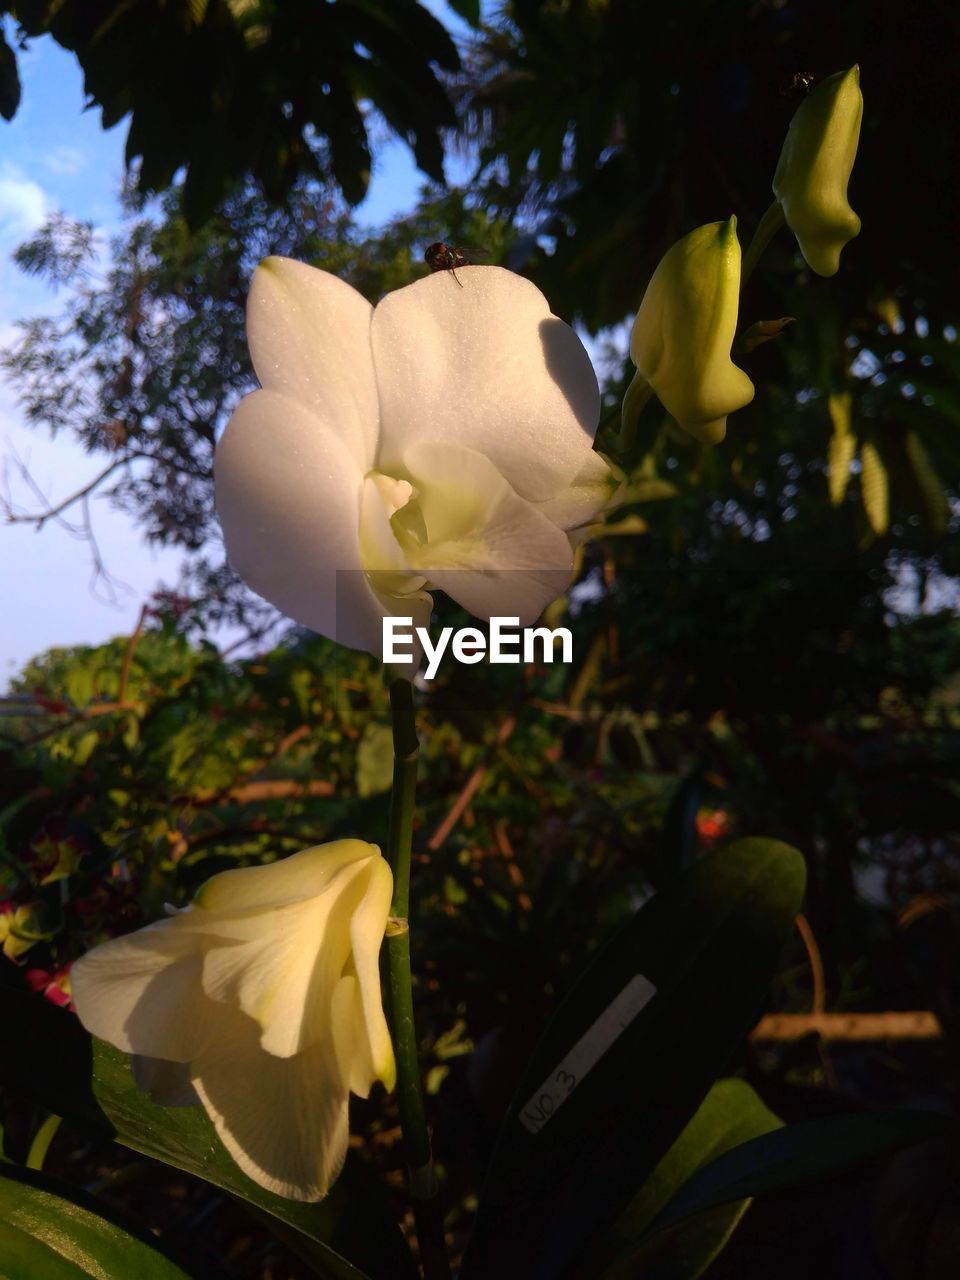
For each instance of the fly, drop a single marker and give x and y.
(444, 257)
(798, 85)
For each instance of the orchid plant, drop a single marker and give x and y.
(445, 440)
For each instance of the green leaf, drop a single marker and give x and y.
(678, 839)
(840, 408)
(53, 1231)
(682, 1252)
(85, 746)
(799, 1155)
(875, 488)
(375, 760)
(842, 447)
(617, 1077)
(730, 1114)
(55, 1061)
(936, 507)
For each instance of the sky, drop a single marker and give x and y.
(55, 156)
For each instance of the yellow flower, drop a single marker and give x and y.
(19, 929)
(261, 1000)
(684, 331)
(814, 170)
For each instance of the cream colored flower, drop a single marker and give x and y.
(443, 438)
(684, 331)
(261, 1000)
(815, 166)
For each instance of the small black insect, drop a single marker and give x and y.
(444, 257)
(798, 85)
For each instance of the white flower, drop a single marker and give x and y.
(261, 1000)
(442, 438)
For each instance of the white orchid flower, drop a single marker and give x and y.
(442, 438)
(261, 1000)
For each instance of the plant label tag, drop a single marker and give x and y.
(587, 1052)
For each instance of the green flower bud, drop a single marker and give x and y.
(814, 169)
(685, 327)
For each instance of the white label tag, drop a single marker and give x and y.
(587, 1052)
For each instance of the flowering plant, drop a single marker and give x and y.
(443, 437)
(266, 986)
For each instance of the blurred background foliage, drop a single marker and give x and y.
(766, 639)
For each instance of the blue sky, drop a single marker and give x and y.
(54, 155)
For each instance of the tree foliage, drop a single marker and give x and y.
(227, 88)
(149, 357)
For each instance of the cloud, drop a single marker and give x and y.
(65, 161)
(23, 202)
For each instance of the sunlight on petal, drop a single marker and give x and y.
(487, 365)
(288, 496)
(309, 337)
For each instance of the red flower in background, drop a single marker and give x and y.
(52, 984)
(713, 825)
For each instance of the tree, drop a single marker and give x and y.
(661, 118)
(227, 88)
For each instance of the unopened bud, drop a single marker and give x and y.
(814, 170)
(685, 327)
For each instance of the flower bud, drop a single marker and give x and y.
(814, 169)
(685, 327)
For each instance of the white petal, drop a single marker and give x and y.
(489, 549)
(366, 937)
(309, 337)
(280, 964)
(284, 1120)
(288, 496)
(585, 498)
(350, 1041)
(486, 365)
(302, 875)
(142, 992)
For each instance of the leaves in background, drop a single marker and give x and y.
(9, 81)
(581, 1137)
(53, 1231)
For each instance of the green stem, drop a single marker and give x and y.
(767, 228)
(635, 400)
(41, 1142)
(413, 1119)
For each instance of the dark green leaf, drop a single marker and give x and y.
(800, 1154)
(678, 841)
(50, 1231)
(595, 1114)
(47, 1056)
(730, 1114)
(9, 81)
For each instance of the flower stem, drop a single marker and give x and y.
(635, 401)
(413, 1120)
(767, 228)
